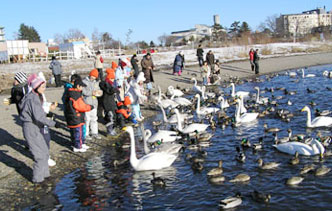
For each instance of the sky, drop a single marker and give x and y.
(148, 19)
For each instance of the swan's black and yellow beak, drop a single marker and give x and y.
(303, 109)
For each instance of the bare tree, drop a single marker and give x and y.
(270, 23)
(59, 38)
(128, 34)
(74, 34)
(162, 39)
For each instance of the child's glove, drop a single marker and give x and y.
(6, 101)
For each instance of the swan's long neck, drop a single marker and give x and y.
(303, 76)
(195, 82)
(242, 108)
(179, 120)
(257, 97)
(237, 113)
(164, 113)
(233, 90)
(222, 103)
(173, 95)
(133, 158)
(308, 118)
(146, 136)
(159, 93)
(203, 92)
(198, 109)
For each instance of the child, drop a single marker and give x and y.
(205, 71)
(90, 94)
(136, 93)
(124, 113)
(34, 119)
(108, 100)
(19, 89)
(75, 114)
(66, 87)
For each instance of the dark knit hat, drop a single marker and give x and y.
(79, 82)
(21, 77)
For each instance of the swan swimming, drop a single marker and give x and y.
(195, 127)
(195, 87)
(320, 121)
(204, 110)
(262, 100)
(151, 161)
(175, 92)
(242, 94)
(308, 75)
(314, 147)
(243, 118)
(167, 102)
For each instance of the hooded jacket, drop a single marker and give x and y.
(55, 66)
(75, 108)
(88, 90)
(108, 96)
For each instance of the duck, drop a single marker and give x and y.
(260, 197)
(308, 75)
(322, 171)
(238, 93)
(281, 140)
(245, 143)
(240, 178)
(194, 127)
(307, 168)
(216, 171)
(197, 166)
(244, 118)
(204, 110)
(241, 157)
(157, 181)
(231, 202)
(295, 180)
(218, 179)
(262, 100)
(313, 147)
(322, 113)
(151, 161)
(270, 130)
(321, 121)
(175, 92)
(292, 74)
(267, 166)
(295, 160)
(196, 88)
(258, 145)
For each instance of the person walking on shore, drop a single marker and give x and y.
(178, 63)
(251, 59)
(34, 121)
(256, 60)
(99, 65)
(200, 56)
(90, 94)
(134, 63)
(147, 67)
(56, 68)
(210, 60)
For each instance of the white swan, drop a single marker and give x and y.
(170, 148)
(175, 92)
(242, 94)
(314, 147)
(167, 102)
(320, 121)
(166, 135)
(151, 161)
(173, 119)
(243, 118)
(195, 87)
(181, 100)
(262, 100)
(195, 127)
(223, 103)
(205, 94)
(308, 75)
(204, 110)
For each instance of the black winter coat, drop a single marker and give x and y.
(108, 98)
(133, 62)
(17, 94)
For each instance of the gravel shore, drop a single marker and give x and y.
(16, 190)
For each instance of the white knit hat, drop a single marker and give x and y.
(21, 77)
(140, 77)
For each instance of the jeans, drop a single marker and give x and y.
(200, 61)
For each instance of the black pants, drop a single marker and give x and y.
(100, 74)
(58, 81)
(256, 67)
(200, 61)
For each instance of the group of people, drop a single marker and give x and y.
(254, 58)
(119, 94)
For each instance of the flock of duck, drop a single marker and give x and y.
(180, 133)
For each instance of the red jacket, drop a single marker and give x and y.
(251, 55)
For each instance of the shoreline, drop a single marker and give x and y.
(16, 162)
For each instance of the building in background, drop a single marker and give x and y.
(2, 34)
(303, 23)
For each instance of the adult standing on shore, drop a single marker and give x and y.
(56, 68)
(134, 63)
(256, 59)
(200, 56)
(210, 60)
(178, 63)
(147, 67)
(34, 122)
(99, 65)
(251, 59)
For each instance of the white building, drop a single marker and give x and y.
(79, 48)
(199, 32)
(303, 23)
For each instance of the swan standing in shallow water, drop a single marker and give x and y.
(204, 110)
(195, 127)
(314, 147)
(242, 94)
(151, 161)
(308, 75)
(320, 121)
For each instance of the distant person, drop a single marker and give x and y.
(56, 68)
(256, 60)
(200, 56)
(205, 71)
(251, 59)
(19, 89)
(178, 63)
(134, 63)
(147, 67)
(210, 60)
(99, 65)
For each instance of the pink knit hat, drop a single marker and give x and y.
(34, 81)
